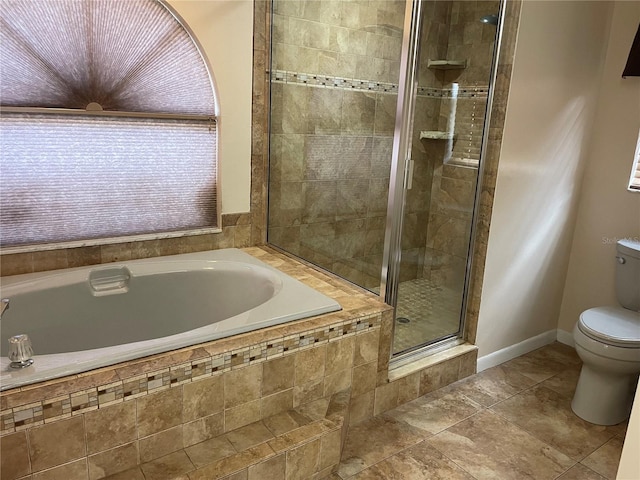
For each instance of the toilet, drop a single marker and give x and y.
(607, 340)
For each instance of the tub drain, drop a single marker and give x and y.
(403, 320)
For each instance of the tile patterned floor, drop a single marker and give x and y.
(513, 421)
(433, 312)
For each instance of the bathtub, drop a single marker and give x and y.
(83, 318)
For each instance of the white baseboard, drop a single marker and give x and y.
(513, 351)
(566, 338)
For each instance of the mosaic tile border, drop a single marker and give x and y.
(65, 406)
(327, 81)
(468, 91)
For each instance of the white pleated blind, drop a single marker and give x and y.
(71, 178)
(128, 55)
(634, 181)
(149, 168)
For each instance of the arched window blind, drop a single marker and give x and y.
(108, 125)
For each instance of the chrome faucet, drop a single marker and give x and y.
(20, 349)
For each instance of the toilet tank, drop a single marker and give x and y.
(628, 274)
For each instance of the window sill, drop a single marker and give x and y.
(106, 241)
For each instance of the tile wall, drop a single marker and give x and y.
(453, 187)
(236, 232)
(333, 96)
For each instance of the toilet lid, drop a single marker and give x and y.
(612, 325)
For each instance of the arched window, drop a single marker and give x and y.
(108, 124)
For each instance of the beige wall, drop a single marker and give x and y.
(607, 210)
(553, 95)
(224, 28)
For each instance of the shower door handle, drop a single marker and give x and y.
(408, 174)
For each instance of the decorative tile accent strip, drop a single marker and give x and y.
(84, 401)
(470, 91)
(201, 368)
(110, 394)
(325, 81)
(27, 416)
(8, 424)
(56, 408)
(160, 380)
(180, 374)
(134, 387)
(76, 403)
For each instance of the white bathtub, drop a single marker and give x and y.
(89, 317)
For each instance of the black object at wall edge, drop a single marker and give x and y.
(632, 68)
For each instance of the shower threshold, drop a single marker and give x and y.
(416, 360)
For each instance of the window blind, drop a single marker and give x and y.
(67, 178)
(147, 164)
(128, 55)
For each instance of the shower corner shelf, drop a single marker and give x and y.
(436, 135)
(447, 64)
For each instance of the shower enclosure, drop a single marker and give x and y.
(376, 128)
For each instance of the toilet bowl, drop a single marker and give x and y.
(607, 340)
(611, 364)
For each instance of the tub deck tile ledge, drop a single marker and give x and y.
(22, 407)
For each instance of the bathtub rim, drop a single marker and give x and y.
(57, 365)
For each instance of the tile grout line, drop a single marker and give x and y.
(444, 454)
(576, 462)
(605, 443)
(490, 408)
(389, 456)
(563, 396)
(482, 408)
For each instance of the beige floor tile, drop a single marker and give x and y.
(71, 471)
(132, 474)
(564, 383)
(422, 462)
(621, 428)
(545, 362)
(605, 460)
(489, 447)
(547, 415)
(560, 352)
(580, 472)
(333, 476)
(433, 414)
(493, 385)
(374, 440)
(167, 467)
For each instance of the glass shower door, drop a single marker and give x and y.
(334, 88)
(450, 85)
(376, 126)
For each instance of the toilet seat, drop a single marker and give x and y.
(611, 325)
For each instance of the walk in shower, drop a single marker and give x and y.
(376, 127)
